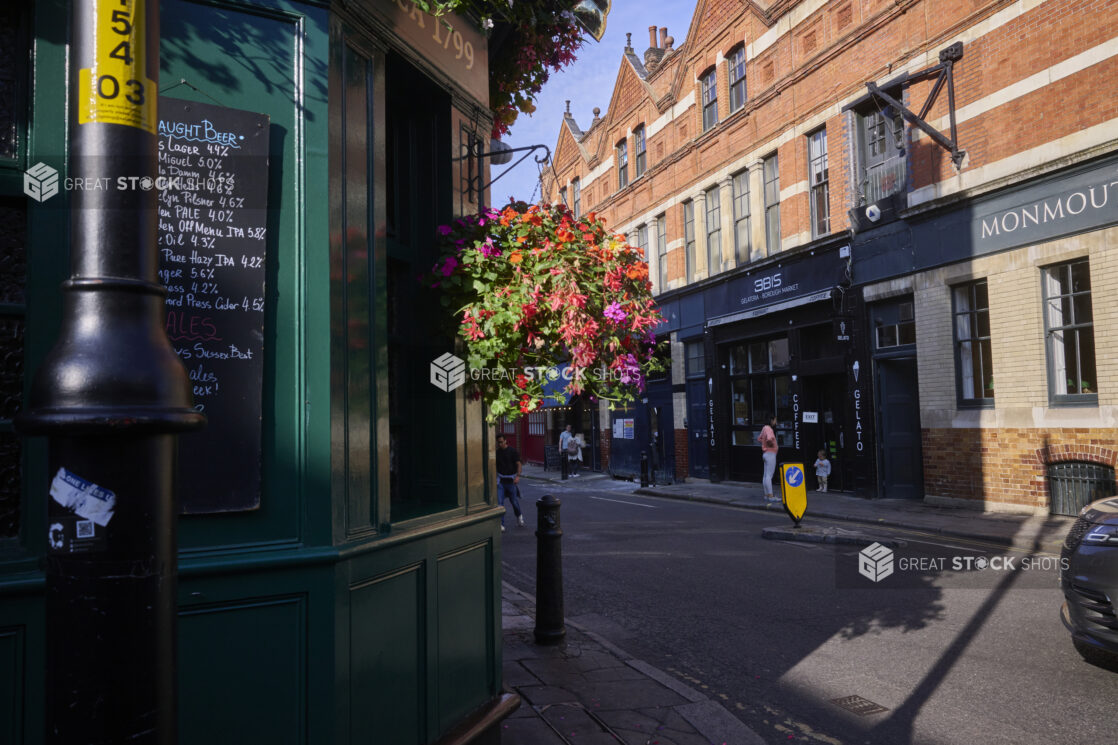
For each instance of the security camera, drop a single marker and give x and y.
(873, 213)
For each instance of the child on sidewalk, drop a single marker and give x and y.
(822, 469)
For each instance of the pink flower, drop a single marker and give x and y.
(615, 313)
(444, 230)
(450, 265)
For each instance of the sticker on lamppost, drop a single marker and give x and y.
(793, 490)
(448, 372)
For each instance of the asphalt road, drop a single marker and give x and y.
(772, 631)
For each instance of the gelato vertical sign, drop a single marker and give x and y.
(213, 251)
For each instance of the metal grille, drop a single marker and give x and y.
(861, 706)
(1098, 607)
(1075, 484)
(1075, 535)
(13, 251)
(10, 473)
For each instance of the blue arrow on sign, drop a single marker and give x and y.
(794, 476)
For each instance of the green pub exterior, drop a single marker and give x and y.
(359, 600)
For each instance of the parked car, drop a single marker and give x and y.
(1089, 579)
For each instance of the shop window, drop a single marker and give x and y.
(740, 192)
(696, 359)
(710, 99)
(622, 151)
(641, 148)
(689, 238)
(771, 170)
(576, 197)
(536, 422)
(818, 183)
(973, 359)
(760, 384)
(735, 63)
(714, 230)
(1070, 332)
(881, 155)
(662, 250)
(663, 354)
(895, 326)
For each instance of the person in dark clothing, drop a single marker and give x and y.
(508, 479)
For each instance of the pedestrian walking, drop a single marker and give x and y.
(767, 438)
(568, 446)
(508, 479)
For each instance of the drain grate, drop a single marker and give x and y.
(863, 707)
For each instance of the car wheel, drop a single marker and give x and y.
(1092, 655)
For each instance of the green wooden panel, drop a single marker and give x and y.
(242, 672)
(271, 58)
(386, 659)
(11, 686)
(466, 676)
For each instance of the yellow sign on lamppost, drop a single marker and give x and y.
(793, 490)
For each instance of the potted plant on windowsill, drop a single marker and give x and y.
(544, 303)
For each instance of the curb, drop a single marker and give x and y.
(711, 726)
(818, 536)
(1052, 544)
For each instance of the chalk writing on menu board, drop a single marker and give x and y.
(212, 248)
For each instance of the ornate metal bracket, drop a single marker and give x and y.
(943, 72)
(476, 151)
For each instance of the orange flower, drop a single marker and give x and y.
(522, 239)
(516, 257)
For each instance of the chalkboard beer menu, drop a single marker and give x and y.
(213, 168)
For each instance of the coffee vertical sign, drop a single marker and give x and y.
(213, 163)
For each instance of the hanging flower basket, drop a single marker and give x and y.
(547, 306)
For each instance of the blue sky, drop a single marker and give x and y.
(587, 83)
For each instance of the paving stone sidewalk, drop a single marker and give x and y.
(586, 691)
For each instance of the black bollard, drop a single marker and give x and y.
(644, 468)
(549, 573)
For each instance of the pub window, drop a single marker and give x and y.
(740, 188)
(714, 230)
(622, 164)
(760, 385)
(418, 161)
(817, 182)
(689, 238)
(641, 148)
(736, 66)
(896, 326)
(1070, 332)
(710, 99)
(973, 361)
(536, 422)
(771, 169)
(881, 154)
(696, 359)
(662, 250)
(576, 198)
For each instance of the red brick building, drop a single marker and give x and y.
(827, 247)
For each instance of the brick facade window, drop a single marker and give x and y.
(973, 361)
(818, 182)
(881, 156)
(1070, 333)
(641, 148)
(576, 198)
(623, 164)
(642, 239)
(714, 230)
(735, 64)
(710, 99)
(689, 238)
(771, 171)
(563, 196)
(739, 186)
(662, 249)
(895, 325)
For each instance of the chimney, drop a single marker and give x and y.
(652, 37)
(653, 54)
(663, 37)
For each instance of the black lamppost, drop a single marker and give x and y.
(111, 396)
